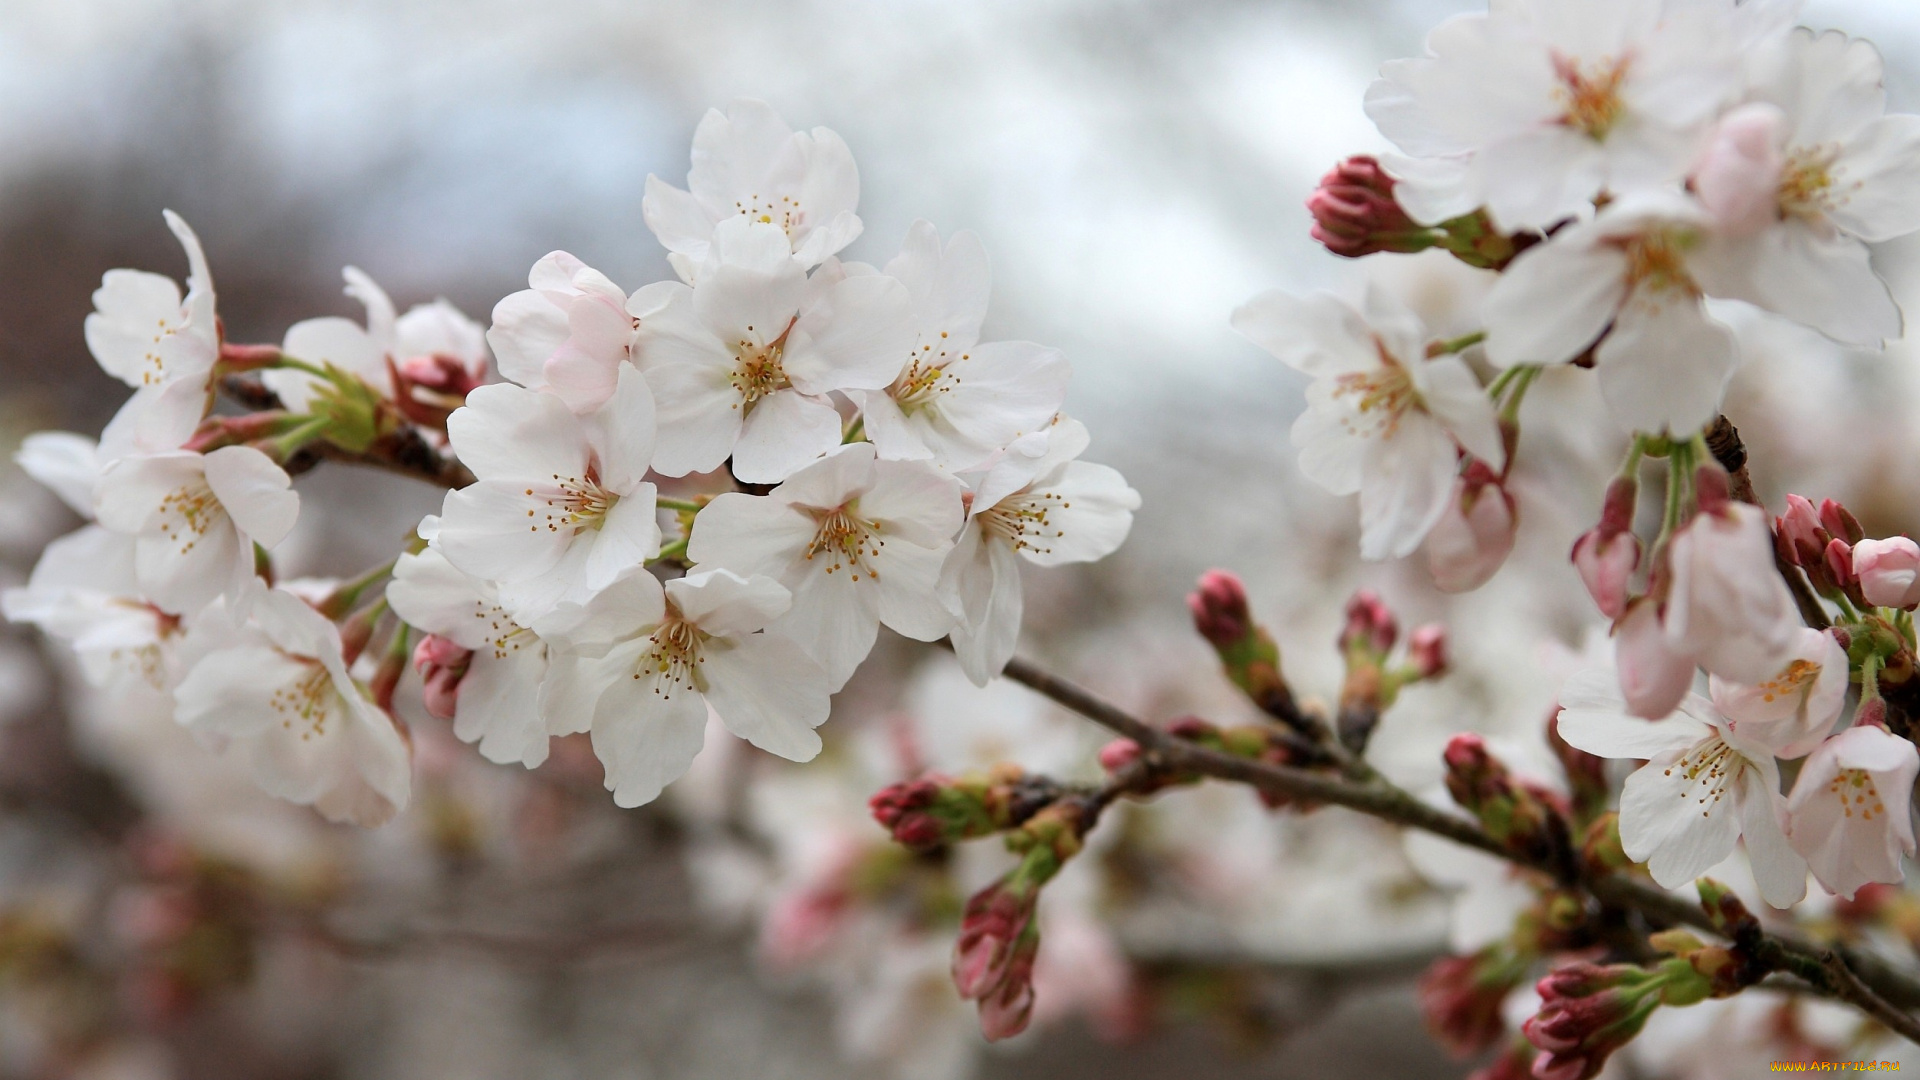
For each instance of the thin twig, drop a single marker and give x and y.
(1871, 986)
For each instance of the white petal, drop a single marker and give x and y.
(724, 603)
(67, 464)
(255, 493)
(499, 706)
(854, 335)
(785, 432)
(507, 431)
(1089, 516)
(1777, 868)
(988, 585)
(1884, 163)
(622, 432)
(628, 536)
(1553, 301)
(646, 740)
(1406, 483)
(1665, 366)
(750, 534)
(766, 690)
(835, 620)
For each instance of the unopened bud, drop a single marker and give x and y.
(1460, 997)
(1521, 816)
(1730, 917)
(1888, 571)
(1355, 214)
(1607, 555)
(1601, 850)
(1427, 650)
(1220, 610)
(442, 663)
(1840, 522)
(1475, 534)
(1588, 1011)
(1247, 652)
(1370, 625)
(1119, 754)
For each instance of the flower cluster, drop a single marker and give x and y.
(703, 496)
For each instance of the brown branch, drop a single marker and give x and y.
(1871, 985)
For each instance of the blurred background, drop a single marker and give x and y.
(1136, 169)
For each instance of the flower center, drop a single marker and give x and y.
(1796, 678)
(504, 636)
(573, 503)
(926, 377)
(306, 703)
(1807, 183)
(1656, 260)
(783, 211)
(1589, 96)
(1023, 520)
(1379, 397)
(845, 540)
(672, 659)
(188, 511)
(149, 661)
(757, 371)
(1708, 768)
(154, 365)
(1854, 788)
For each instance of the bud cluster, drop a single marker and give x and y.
(1372, 683)
(934, 810)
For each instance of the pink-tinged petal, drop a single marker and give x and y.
(1457, 400)
(1319, 335)
(677, 219)
(698, 413)
(1407, 481)
(1790, 713)
(646, 739)
(1654, 675)
(255, 493)
(1665, 366)
(985, 580)
(622, 431)
(485, 530)
(1469, 544)
(768, 691)
(784, 432)
(1889, 571)
(506, 432)
(528, 327)
(628, 536)
(835, 619)
(1814, 276)
(724, 603)
(853, 335)
(1554, 300)
(1727, 606)
(1089, 513)
(499, 707)
(752, 534)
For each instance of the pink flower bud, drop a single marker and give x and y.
(1427, 650)
(1370, 625)
(801, 924)
(1738, 176)
(1889, 571)
(1473, 537)
(1220, 610)
(1654, 676)
(1119, 754)
(1606, 567)
(1801, 529)
(1354, 212)
(442, 663)
(1840, 522)
(996, 919)
(1839, 559)
(1460, 998)
(1586, 1013)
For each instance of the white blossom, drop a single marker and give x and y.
(1849, 812)
(747, 163)
(1538, 106)
(568, 333)
(85, 592)
(1794, 709)
(1382, 418)
(1041, 504)
(435, 329)
(740, 362)
(561, 507)
(195, 519)
(276, 694)
(858, 541)
(1702, 788)
(957, 401)
(699, 648)
(144, 333)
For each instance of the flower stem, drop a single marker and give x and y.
(285, 446)
(856, 431)
(1510, 411)
(684, 506)
(1457, 345)
(676, 549)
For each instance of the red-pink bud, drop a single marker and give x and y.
(1370, 625)
(1839, 558)
(442, 663)
(1220, 610)
(1840, 522)
(1460, 998)
(1606, 567)
(1800, 526)
(1355, 214)
(1119, 754)
(1427, 650)
(1473, 537)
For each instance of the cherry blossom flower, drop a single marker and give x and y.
(85, 592)
(1654, 675)
(957, 401)
(859, 542)
(1801, 178)
(1889, 571)
(1538, 106)
(196, 518)
(499, 703)
(1045, 507)
(1703, 787)
(1664, 364)
(1795, 709)
(741, 361)
(1848, 813)
(1727, 605)
(1607, 554)
(747, 163)
(568, 333)
(164, 346)
(437, 329)
(276, 694)
(561, 507)
(1382, 418)
(699, 648)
